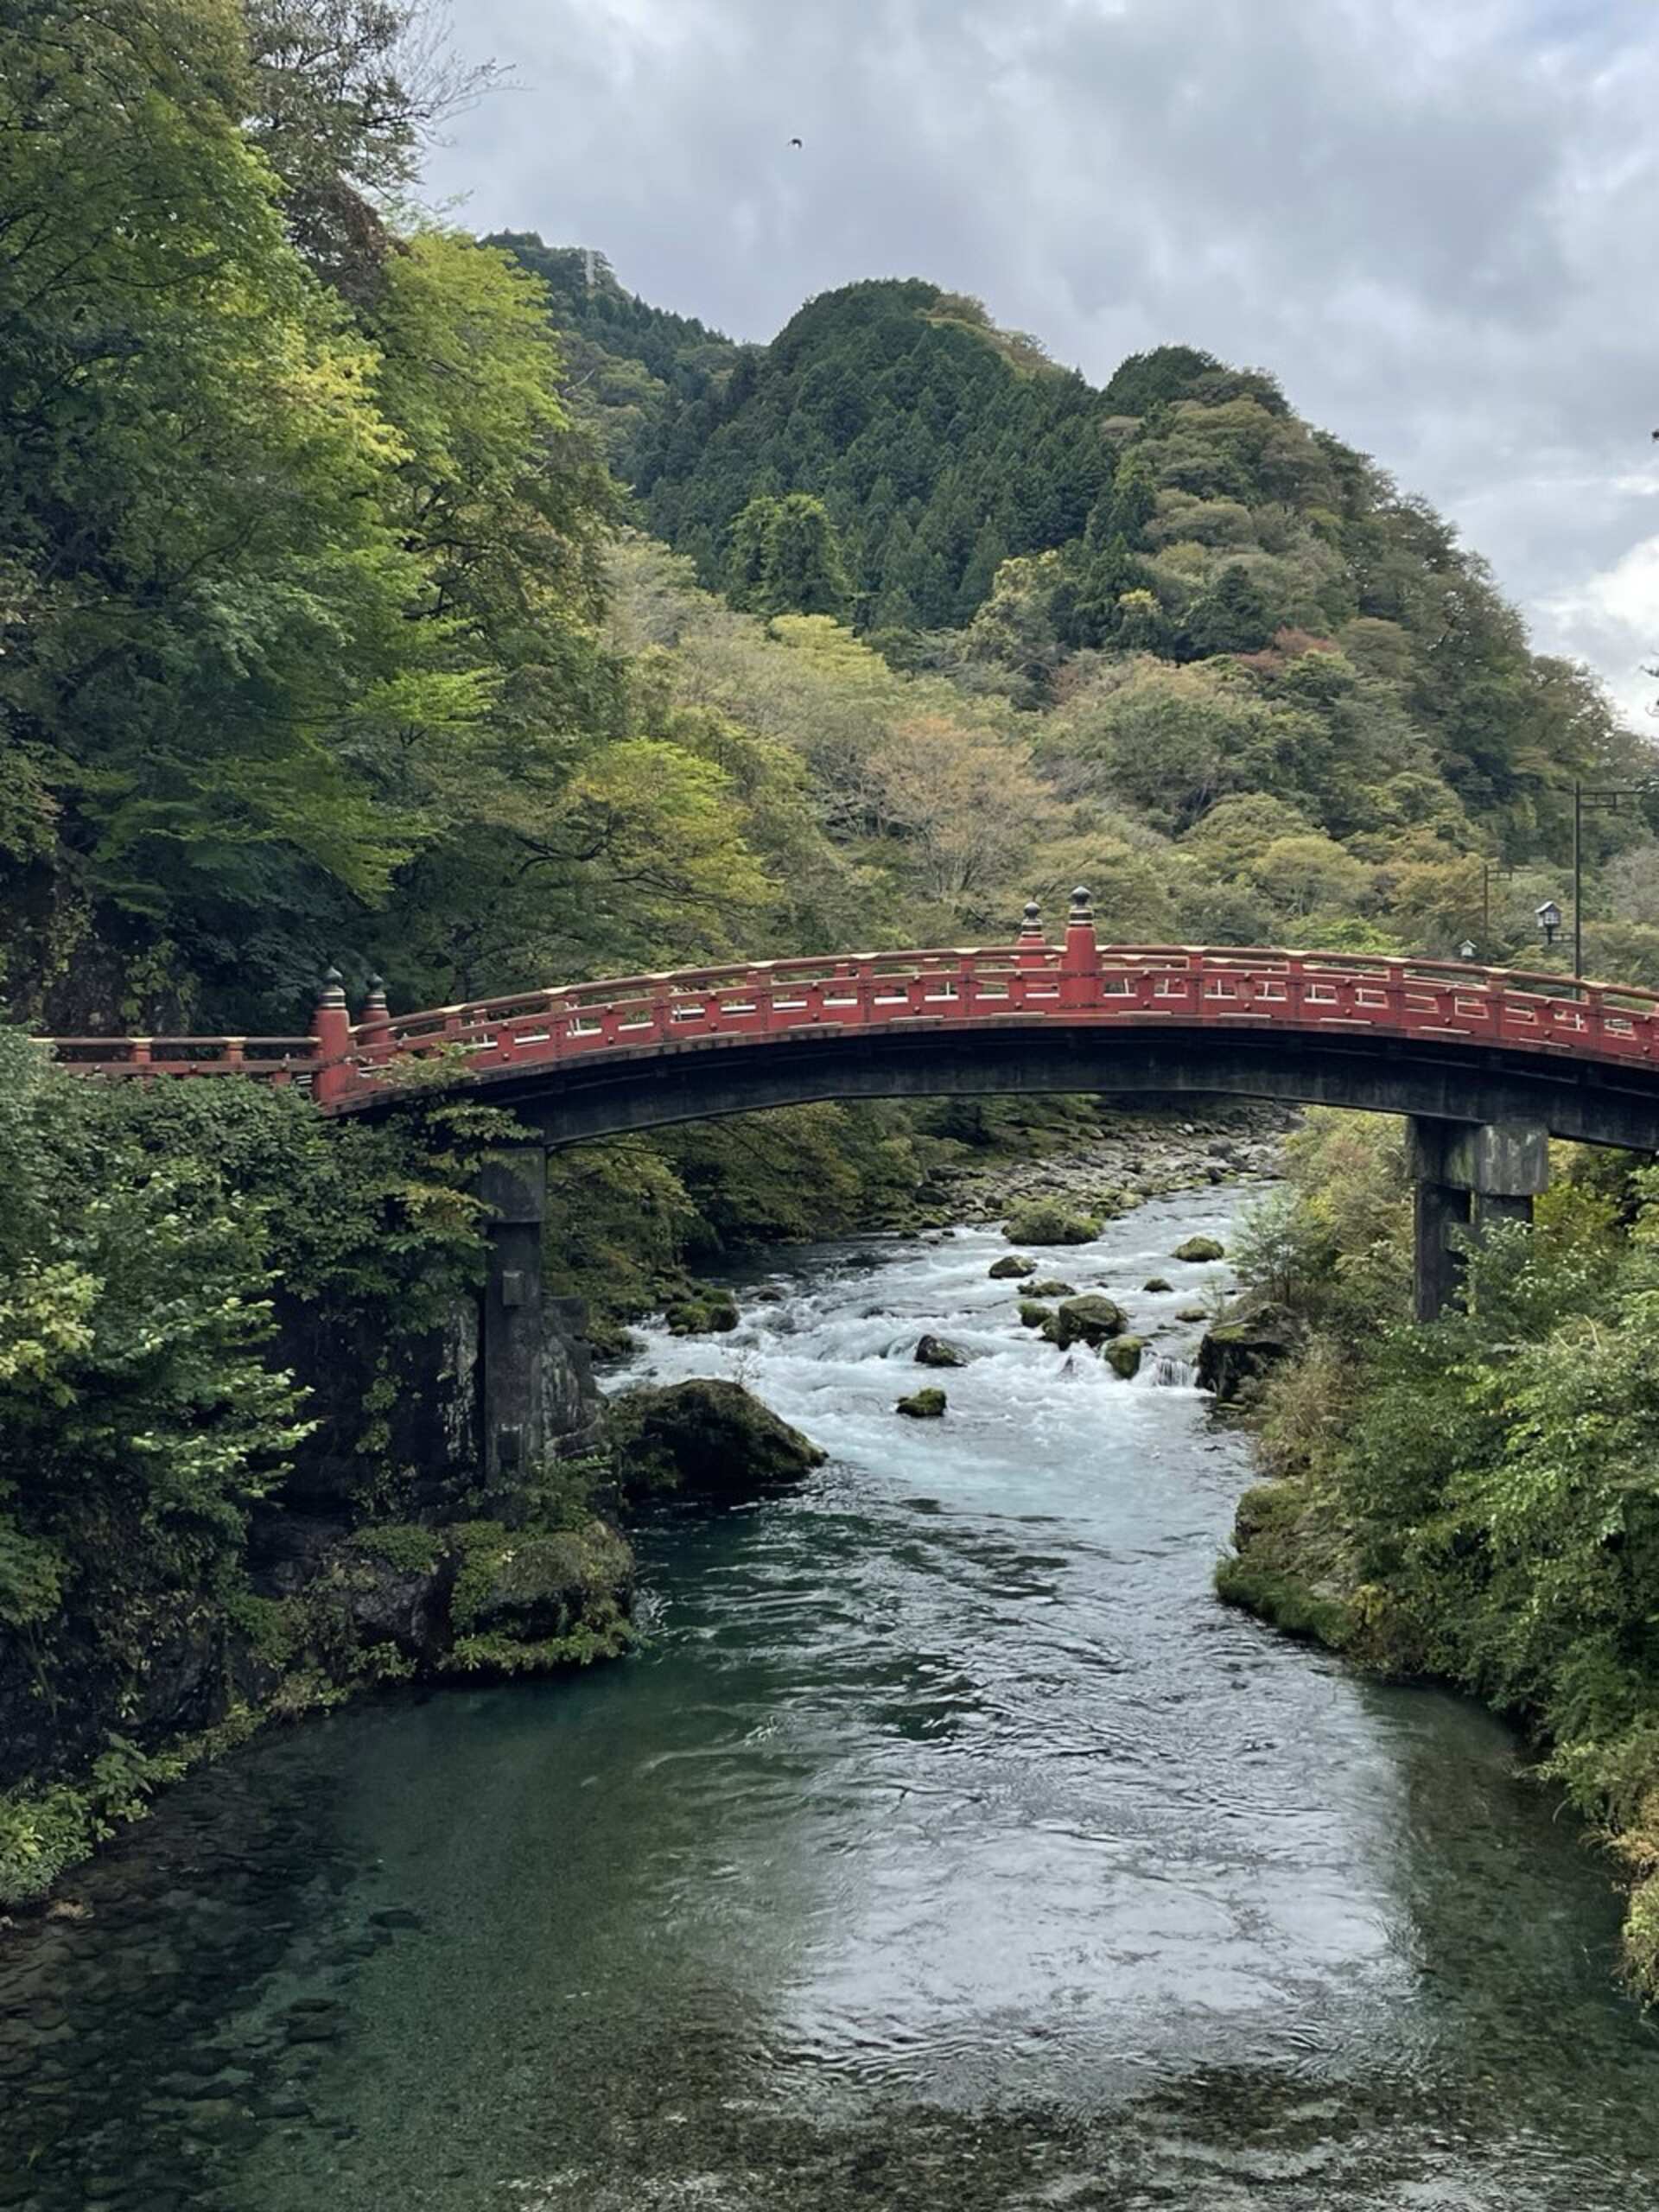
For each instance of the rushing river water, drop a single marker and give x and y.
(949, 1848)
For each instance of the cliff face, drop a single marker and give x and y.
(426, 1573)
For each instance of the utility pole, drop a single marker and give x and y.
(1591, 795)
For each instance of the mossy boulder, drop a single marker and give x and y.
(1251, 1338)
(1123, 1355)
(1290, 1568)
(1154, 1284)
(923, 1405)
(705, 1439)
(1193, 1313)
(1051, 1286)
(934, 1351)
(527, 1586)
(714, 1314)
(1033, 1313)
(1013, 1268)
(1045, 1221)
(1090, 1320)
(1201, 1248)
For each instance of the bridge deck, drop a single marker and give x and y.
(1079, 986)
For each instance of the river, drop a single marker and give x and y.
(949, 1847)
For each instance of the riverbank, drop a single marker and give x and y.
(1471, 1502)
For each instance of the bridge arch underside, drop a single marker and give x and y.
(617, 1093)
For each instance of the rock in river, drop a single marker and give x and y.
(1011, 1269)
(1201, 1248)
(925, 1405)
(934, 1351)
(707, 1438)
(1238, 1350)
(1089, 1320)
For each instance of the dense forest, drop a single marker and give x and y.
(375, 595)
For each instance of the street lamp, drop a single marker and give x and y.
(1550, 920)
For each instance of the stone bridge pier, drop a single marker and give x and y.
(1466, 1175)
(535, 1396)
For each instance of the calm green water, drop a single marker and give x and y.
(949, 1848)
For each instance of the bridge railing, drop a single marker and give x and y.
(275, 1060)
(942, 987)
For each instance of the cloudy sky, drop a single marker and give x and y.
(1435, 220)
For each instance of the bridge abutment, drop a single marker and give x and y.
(1467, 1177)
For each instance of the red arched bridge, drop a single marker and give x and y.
(1487, 1064)
(1435, 1039)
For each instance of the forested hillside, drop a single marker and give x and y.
(1197, 619)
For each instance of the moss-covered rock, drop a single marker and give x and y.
(1123, 1355)
(525, 1599)
(714, 1314)
(1251, 1338)
(1013, 1267)
(707, 1439)
(1193, 1313)
(1051, 1286)
(1045, 1221)
(936, 1351)
(1201, 1248)
(1154, 1284)
(1287, 1569)
(923, 1405)
(1090, 1320)
(1033, 1313)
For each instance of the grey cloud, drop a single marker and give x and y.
(1433, 222)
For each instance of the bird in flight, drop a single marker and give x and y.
(796, 142)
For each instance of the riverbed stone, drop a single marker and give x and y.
(713, 1314)
(1201, 1248)
(1123, 1355)
(1252, 1337)
(1045, 1221)
(1013, 1268)
(1154, 1284)
(1051, 1286)
(708, 1438)
(938, 1352)
(1033, 1313)
(1089, 1320)
(923, 1405)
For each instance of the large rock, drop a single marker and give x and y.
(1089, 1320)
(1013, 1268)
(934, 1351)
(529, 1587)
(1201, 1248)
(1250, 1338)
(1045, 1221)
(924, 1405)
(705, 1439)
(1123, 1354)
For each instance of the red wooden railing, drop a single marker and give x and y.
(347, 1066)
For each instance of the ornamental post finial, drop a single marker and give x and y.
(331, 1029)
(1081, 965)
